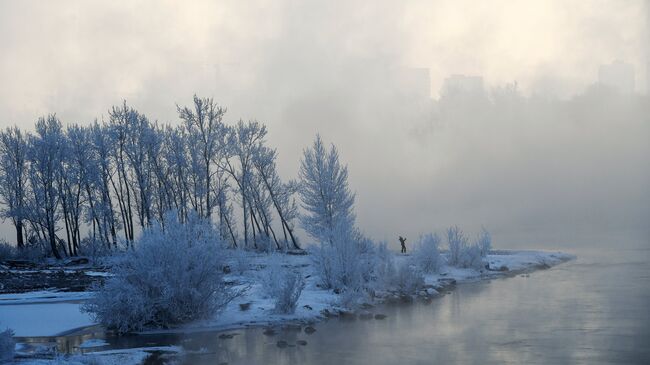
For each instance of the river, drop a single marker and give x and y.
(593, 310)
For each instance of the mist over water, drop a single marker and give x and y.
(591, 310)
(580, 312)
(540, 154)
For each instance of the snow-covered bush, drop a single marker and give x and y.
(283, 285)
(407, 280)
(95, 250)
(30, 252)
(239, 261)
(484, 242)
(7, 345)
(384, 266)
(173, 275)
(389, 275)
(457, 242)
(426, 255)
(338, 262)
(465, 255)
(471, 257)
(264, 243)
(36, 252)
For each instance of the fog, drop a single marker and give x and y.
(540, 152)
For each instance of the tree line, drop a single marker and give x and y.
(105, 180)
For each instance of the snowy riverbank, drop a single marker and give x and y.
(316, 303)
(17, 311)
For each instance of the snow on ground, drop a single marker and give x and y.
(502, 263)
(51, 313)
(314, 300)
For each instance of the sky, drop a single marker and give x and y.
(339, 68)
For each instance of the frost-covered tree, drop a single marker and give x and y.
(174, 275)
(13, 178)
(243, 140)
(203, 123)
(324, 191)
(261, 214)
(118, 130)
(162, 199)
(98, 184)
(281, 194)
(175, 154)
(94, 184)
(73, 182)
(139, 135)
(45, 158)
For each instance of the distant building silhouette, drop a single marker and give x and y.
(618, 75)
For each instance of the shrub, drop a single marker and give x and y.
(426, 255)
(351, 298)
(384, 266)
(263, 243)
(173, 275)
(338, 263)
(457, 243)
(7, 345)
(30, 252)
(462, 254)
(484, 242)
(239, 261)
(407, 280)
(7, 251)
(471, 257)
(283, 285)
(95, 250)
(391, 276)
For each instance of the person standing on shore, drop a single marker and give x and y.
(402, 241)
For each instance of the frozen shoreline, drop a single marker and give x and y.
(315, 304)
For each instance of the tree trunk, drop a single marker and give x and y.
(20, 241)
(52, 237)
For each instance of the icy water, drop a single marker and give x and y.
(594, 310)
(589, 311)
